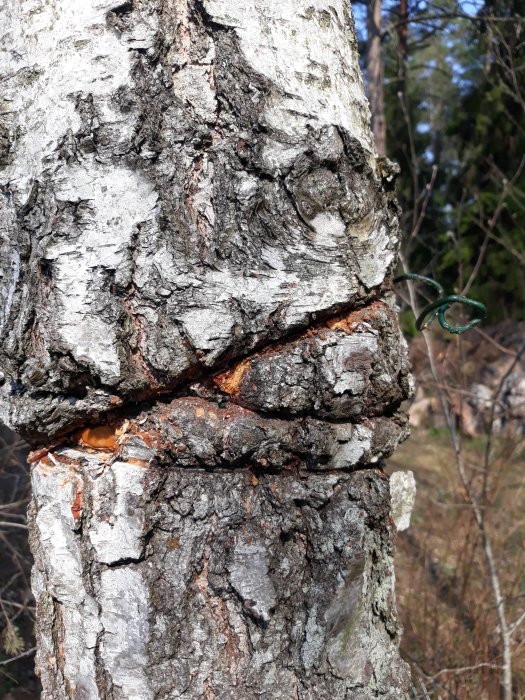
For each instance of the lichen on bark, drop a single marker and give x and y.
(198, 333)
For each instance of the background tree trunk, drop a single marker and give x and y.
(376, 75)
(197, 337)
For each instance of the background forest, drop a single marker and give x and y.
(454, 101)
(446, 83)
(447, 88)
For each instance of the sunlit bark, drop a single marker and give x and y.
(198, 340)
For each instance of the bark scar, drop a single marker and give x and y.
(101, 437)
(76, 508)
(286, 401)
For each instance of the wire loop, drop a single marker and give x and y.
(440, 306)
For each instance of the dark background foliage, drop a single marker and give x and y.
(455, 102)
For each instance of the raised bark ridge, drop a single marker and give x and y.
(196, 243)
(328, 398)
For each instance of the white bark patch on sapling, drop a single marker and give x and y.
(403, 498)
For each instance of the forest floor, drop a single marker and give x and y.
(443, 592)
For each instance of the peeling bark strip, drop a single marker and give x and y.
(196, 334)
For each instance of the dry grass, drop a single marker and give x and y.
(444, 596)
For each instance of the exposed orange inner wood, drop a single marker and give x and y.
(231, 380)
(76, 508)
(102, 437)
(350, 321)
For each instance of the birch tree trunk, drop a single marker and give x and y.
(197, 337)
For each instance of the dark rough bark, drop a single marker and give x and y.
(349, 368)
(198, 336)
(235, 584)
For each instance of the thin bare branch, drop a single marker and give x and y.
(23, 655)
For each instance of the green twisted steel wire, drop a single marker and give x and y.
(440, 306)
(420, 278)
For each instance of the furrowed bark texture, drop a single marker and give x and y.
(228, 584)
(197, 335)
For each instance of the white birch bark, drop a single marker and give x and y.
(197, 334)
